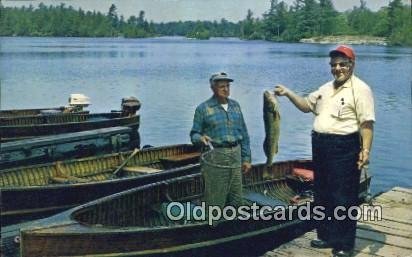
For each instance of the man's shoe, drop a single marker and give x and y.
(318, 243)
(342, 253)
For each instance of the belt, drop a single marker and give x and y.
(225, 145)
(334, 136)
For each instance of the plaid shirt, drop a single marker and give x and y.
(222, 127)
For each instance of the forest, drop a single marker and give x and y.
(281, 23)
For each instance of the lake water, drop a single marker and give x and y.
(170, 77)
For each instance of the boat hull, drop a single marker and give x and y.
(35, 126)
(198, 240)
(65, 146)
(27, 201)
(118, 224)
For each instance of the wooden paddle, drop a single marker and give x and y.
(115, 173)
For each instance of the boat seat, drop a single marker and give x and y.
(182, 157)
(161, 209)
(302, 174)
(140, 169)
(178, 160)
(296, 179)
(261, 199)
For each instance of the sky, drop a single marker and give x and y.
(175, 10)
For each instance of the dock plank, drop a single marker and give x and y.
(378, 249)
(389, 237)
(385, 229)
(402, 189)
(384, 238)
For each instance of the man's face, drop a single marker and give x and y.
(341, 69)
(221, 89)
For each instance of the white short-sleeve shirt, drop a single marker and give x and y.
(341, 111)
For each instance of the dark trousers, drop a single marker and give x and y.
(336, 184)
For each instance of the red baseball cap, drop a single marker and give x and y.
(343, 49)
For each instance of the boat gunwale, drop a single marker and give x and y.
(14, 113)
(78, 136)
(134, 118)
(97, 157)
(197, 245)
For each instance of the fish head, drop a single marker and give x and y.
(270, 100)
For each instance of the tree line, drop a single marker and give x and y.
(284, 23)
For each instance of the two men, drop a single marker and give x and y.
(341, 141)
(219, 122)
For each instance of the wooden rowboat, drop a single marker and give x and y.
(15, 128)
(135, 222)
(65, 146)
(36, 191)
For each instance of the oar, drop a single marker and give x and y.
(125, 162)
(210, 145)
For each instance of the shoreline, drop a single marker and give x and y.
(345, 39)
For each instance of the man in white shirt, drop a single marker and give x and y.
(341, 141)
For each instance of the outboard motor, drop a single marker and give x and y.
(130, 105)
(77, 102)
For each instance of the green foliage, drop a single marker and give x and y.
(303, 19)
(276, 21)
(199, 32)
(62, 21)
(400, 25)
(251, 28)
(198, 29)
(311, 18)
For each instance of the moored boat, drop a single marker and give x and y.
(35, 126)
(65, 146)
(136, 222)
(36, 191)
(35, 112)
(76, 104)
(23, 127)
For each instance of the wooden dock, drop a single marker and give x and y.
(389, 237)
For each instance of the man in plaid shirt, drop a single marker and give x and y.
(219, 122)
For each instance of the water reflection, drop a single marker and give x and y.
(73, 54)
(298, 53)
(391, 102)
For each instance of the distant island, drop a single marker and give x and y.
(307, 21)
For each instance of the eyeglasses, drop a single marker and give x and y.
(341, 64)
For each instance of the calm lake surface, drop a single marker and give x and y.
(170, 77)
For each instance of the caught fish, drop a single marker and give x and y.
(271, 119)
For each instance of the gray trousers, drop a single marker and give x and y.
(221, 170)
